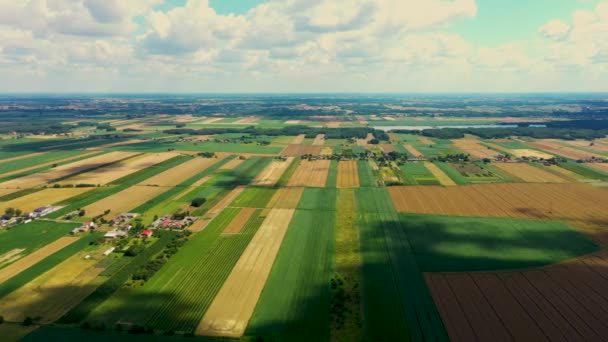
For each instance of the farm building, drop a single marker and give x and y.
(146, 233)
(166, 222)
(113, 234)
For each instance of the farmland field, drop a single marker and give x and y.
(294, 218)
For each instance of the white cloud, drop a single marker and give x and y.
(555, 29)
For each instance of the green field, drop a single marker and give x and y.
(396, 302)
(455, 244)
(585, 171)
(332, 175)
(32, 236)
(208, 146)
(318, 199)
(473, 173)
(295, 302)
(366, 174)
(177, 296)
(417, 174)
(254, 197)
(36, 160)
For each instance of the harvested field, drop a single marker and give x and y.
(300, 150)
(562, 302)
(362, 120)
(348, 174)
(41, 198)
(599, 166)
(55, 292)
(247, 120)
(124, 201)
(580, 204)
(212, 120)
(598, 145)
(10, 256)
(33, 258)
(326, 151)
(413, 151)
(231, 164)
(272, 173)
(299, 139)
(364, 142)
(112, 172)
(439, 174)
(530, 153)
(387, 148)
(41, 178)
(310, 173)
(474, 148)
(553, 147)
(233, 306)
(41, 165)
(217, 209)
(237, 224)
(425, 140)
(286, 198)
(319, 140)
(529, 173)
(178, 174)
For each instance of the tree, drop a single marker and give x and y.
(197, 202)
(81, 212)
(28, 321)
(9, 212)
(18, 212)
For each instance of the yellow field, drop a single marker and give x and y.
(474, 148)
(178, 174)
(231, 164)
(55, 292)
(34, 257)
(272, 173)
(439, 174)
(124, 201)
(529, 173)
(530, 153)
(41, 198)
(411, 149)
(310, 173)
(348, 174)
(286, 198)
(42, 178)
(425, 140)
(233, 306)
(553, 146)
(112, 172)
(326, 151)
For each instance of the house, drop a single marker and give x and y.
(146, 233)
(113, 234)
(89, 225)
(109, 251)
(39, 212)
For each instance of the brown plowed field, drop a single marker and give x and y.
(41, 178)
(112, 172)
(319, 140)
(34, 257)
(529, 173)
(272, 173)
(237, 224)
(300, 150)
(387, 148)
(474, 148)
(41, 198)
(233, 306)
(310, 173)
(574, 202)
(413, 151)
(439, 174)
(348, 174)
(286, 198)
(553, 147)
(562, 302)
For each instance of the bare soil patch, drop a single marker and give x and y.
(301, 150)
(310, 173)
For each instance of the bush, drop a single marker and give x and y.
(197, 202)
(28, 321)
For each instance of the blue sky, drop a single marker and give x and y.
(303, 46)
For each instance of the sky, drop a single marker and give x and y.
(301, 46)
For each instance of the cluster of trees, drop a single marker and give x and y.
(310, 132)
(80, 185)
(340, 302)
(148, 269)
(197, 202)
